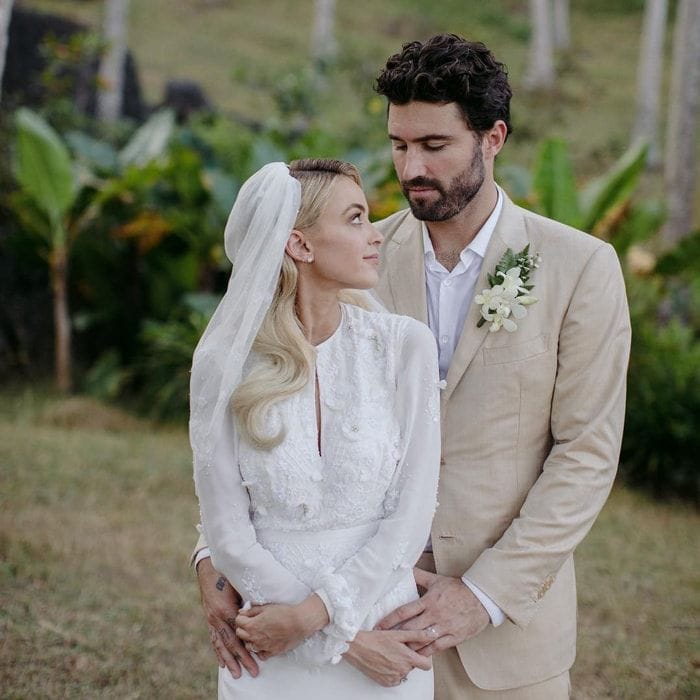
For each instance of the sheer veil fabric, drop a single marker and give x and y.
(256, 233)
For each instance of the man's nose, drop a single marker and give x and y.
(413, 165)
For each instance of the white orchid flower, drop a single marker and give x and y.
(490, 297)
(511, 281)
(499, 318)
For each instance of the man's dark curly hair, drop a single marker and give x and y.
(448, 68)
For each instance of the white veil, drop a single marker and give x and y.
(257, 231)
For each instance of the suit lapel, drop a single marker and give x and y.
(404, 259)
(509, 233)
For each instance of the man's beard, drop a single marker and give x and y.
(452, 200)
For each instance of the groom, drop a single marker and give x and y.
(533, 398)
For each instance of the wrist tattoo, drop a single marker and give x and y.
(221, 583)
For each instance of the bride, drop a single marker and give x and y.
(316, 436)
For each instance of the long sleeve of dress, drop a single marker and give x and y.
(350, 591)
(225, 516)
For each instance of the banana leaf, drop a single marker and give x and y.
(554, 184)
(43, 167)
(150, 140)
(613, 189)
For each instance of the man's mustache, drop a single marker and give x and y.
(422, 182)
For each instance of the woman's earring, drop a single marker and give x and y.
(310, 259)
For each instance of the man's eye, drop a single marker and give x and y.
(435, 146)
(399, 146)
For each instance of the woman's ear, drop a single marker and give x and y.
(298, 247)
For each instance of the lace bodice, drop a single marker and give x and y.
(293, 486)
(375, 474)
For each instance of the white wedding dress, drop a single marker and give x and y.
(347, 521)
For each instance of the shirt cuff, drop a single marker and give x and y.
(203, 553)
(495, 613)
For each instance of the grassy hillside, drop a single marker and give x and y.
(96, 514)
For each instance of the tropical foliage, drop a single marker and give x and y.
(139, 219)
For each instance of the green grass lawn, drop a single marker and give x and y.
(96, 526)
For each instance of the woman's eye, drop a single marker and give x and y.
(357, 219)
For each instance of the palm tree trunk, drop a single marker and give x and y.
(109, 96)
(5, 14)
(323, 45)
(562, 33)
(651, 61)
(540, 73)
(680, 163)
(59, 285)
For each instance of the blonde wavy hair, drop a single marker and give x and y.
(286, 357)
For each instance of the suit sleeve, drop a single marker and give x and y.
(587, 418)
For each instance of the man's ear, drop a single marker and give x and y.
(494, 138)
(298, 247)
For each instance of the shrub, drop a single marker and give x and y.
(662, 429)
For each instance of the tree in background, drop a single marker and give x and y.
(5, 14)
(59, 196)
(562, 33)
(679, 162)
(540, 71)
(48, 191)
(111, 76)
(651, 61)
(323, 44)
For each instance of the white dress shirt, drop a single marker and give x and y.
(449, 295)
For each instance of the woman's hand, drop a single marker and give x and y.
(269, 630)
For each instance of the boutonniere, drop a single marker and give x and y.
(510, 292)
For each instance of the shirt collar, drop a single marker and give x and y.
(479, 243)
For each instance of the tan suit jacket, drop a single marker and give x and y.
(531, 430)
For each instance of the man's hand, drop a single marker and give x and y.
(448, 609)
(385, 657)
(269, 630)
(221, 604)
